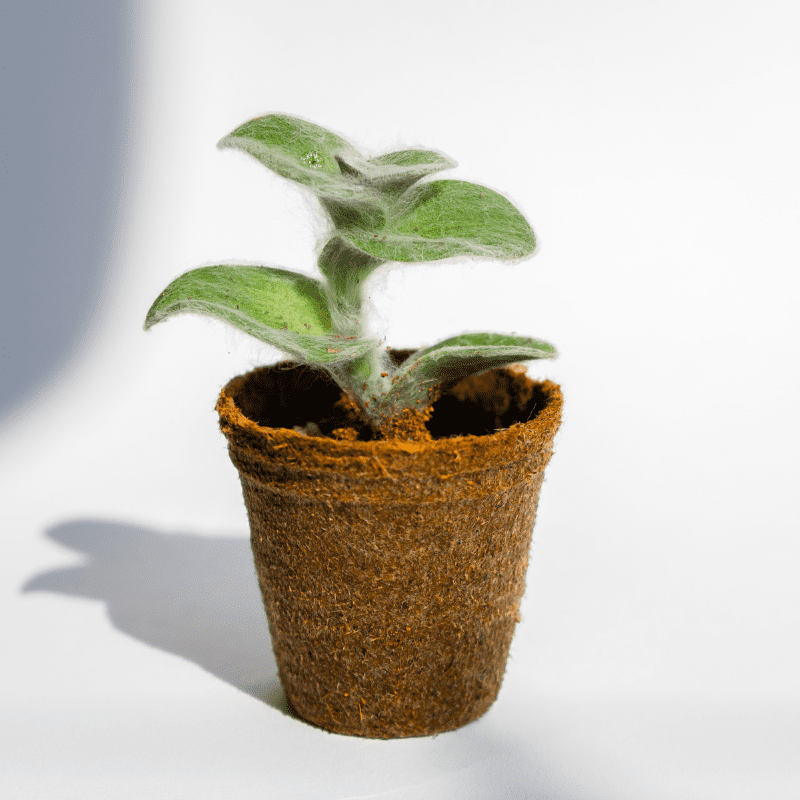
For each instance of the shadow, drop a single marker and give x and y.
(66, 90)
(197, 597)
(194, 596)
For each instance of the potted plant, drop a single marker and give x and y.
(391, 493)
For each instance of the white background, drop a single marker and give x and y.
(653, 146)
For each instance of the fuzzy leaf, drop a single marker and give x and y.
(433, 369)
(292, 147)
(276, 306)
(429, 160)
(355, 213)
(449, 218)
(393, 173)
(315, 157)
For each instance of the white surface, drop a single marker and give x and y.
(654, 148)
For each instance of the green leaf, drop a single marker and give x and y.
(276, 306)
(429, 160)
(432, 369)
(315, 157)
(292, 147)
(393, 173)
(449, 218)
(354, 213)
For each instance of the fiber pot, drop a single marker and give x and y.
(391, 570)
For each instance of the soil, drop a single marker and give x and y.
(477, 406)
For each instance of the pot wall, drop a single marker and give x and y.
(391, 571)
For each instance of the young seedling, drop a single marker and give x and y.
(380, 212)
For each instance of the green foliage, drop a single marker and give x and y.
(393, 173)
(379, 212)
(279, 307)
(296, 149)
(449, 218)
(427, 370)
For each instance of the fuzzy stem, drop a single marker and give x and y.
(346, 269)
(361, 378)
(363, 382)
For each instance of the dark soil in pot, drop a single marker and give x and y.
(391, 570)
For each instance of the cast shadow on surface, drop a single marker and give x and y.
(194, 596)
(197, 597)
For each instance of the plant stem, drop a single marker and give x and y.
(346, 270)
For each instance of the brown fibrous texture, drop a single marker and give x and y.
(391, 569)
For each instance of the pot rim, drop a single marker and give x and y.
(232, 417)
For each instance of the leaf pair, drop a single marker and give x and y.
(373, 202)
(289, 311)
(328, 164)
(355, 191)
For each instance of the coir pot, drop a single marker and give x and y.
(391, 570)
